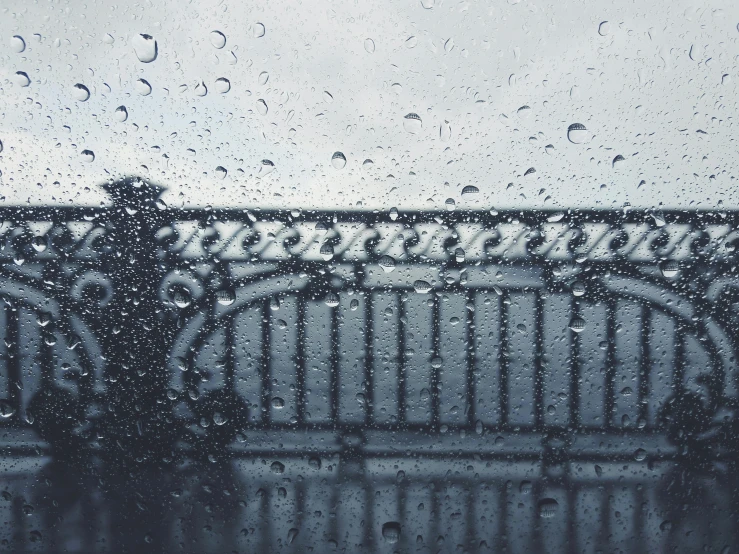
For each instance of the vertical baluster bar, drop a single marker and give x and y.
(300, 366)
(646, 363)
(402, 374)
(435, 324)
(334, 367)
(504, 356)
(266, 393)
(538, 333)
(469, 344)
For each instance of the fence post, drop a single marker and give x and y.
(136, 334)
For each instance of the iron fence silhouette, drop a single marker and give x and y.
(537, 344)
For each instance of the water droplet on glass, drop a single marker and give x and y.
(145, 48)
(665, 525)
(578, 288)
(221, 172)
(577, 133)
(354, 304)
(338, 160)
(88, 156)
(21, 79)
(80, 92)
(529, 171)
(332, 300)
(412, 123)
(1, 146)
(222, 85)
(393, 213)
(428, 4)
(618, 161)
(549, 149)
(604, 28)
(391, 531)
(556, 216)
(181, 298)
(328, 97)
(277, 467)
(278, 403)
(436, 362)
(17, 44)
(327, 251)
(369, 45)
(450, 204)
(262, 108)
(411, 42)
(421, 286)
(640, 455)
(266, 168)
(225, 297)
(121, 114)
(577, 324)
(478, 427)
(292, 535)
(598, 470)
(445, 131)
(142, 87)
(274, 303)
(263, 78)
(524, 112)
(525, 487)
(659, 219)
(217, 39)
(470, 189)
(201, 89)
(39, 244)
(160, 204)
(459, 255)
(548, 507)
(6, 409)
(387, 263)
(258, 30)
(670, 268)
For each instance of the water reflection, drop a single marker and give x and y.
(450, 505)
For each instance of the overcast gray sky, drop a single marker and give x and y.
(656, 84)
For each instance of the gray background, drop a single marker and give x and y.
(664, 71)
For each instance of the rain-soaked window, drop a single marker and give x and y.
(414, 276)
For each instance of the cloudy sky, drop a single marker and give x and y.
(495, 85)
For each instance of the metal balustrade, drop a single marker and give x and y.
(490, 344)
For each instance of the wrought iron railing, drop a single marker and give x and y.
(141, 334)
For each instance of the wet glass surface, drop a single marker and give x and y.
(427, 276)
(214, 380)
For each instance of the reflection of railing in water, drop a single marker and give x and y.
(139, 335)
(329, 506)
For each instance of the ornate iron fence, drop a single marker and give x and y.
(144, 333)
